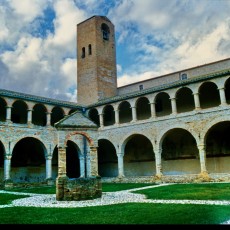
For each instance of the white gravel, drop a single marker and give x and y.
(108, 198)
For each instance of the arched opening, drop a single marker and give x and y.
(105, 31)
(184, 100)
(39, 115)
(143, 108)
(108, 115)
(179, 153)
(28, 161)
(94, 116)
(2, 153)
(72, 111)
(2, 109)
(227, 90)
(163, 104)
(55, 162)
(209, 95)
(56, 115)
(218, 148)
(125, 112)
(72, 160)
(107, 159)
(139, 158)
(19, 112)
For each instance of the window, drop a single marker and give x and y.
(89, 49)
(83, 53)
(141, 87)
(105, 31)
(183, 76)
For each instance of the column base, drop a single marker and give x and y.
(203, 177)
(8, 183)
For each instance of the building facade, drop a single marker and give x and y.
(169, 128)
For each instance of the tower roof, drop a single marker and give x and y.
(95, 16)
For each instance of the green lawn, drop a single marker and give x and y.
(130, 213)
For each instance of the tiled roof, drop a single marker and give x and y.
(160, 88)
(28, 97)
(75, 120)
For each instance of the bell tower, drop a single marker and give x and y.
(96, 60)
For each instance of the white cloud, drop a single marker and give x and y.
(160, 38)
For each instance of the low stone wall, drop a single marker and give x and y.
(189, 178)
(78, 188)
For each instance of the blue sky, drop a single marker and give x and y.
(153, 37)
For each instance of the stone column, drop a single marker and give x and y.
(120, 157)
(202, 155)
(101, 119)
(8, 113)
(173, 104)
(222, 96)
(134, 114)
(48, 167)
(48, 118)
(61, 162)
(82, 166)
(29, 116)
(117, 121)
(88, 165)
(7, 167)
(93, 161)
(158, 152)
(197, 101)
(153, 109)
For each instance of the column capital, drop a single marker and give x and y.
(7, 156)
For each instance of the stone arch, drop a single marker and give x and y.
(227, 90)
(72, 111)
(3, 105)
(86, 135)
(217, 146)
(57, 114)
(94, 116)
(2, 153)
(28, 160)
(19, 112)
(125, 112)
(180, 154)
(162, 104)
(139, 157)
(72, 159)
(143, 108)
(39, 115)
(108, 115)
(209, 95)
(184, 100)
(107, 159)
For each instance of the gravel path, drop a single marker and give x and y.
(108, 198)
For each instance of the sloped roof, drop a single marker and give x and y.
(75, 120)
(39, 99)
(154, 89)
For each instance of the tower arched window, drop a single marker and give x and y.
(83, 53)
(105, 31)
(89, 49)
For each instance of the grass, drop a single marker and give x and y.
(218, 191)
(8, 198)
(130, 213)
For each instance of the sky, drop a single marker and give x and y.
(153, 38)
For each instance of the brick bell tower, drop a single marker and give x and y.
(96, 60)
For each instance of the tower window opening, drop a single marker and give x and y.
(90, 49)
(141, 87)
(83, 53)
(105, 31)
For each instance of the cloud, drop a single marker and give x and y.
(38, 40)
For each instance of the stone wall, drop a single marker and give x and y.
(78, 188)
